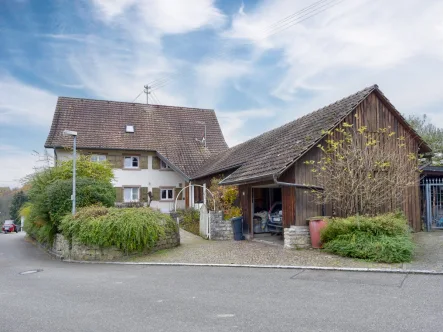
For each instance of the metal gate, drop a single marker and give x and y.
(204, 222)
(432, 193)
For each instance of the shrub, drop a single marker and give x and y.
(384, 238)
(88, 192)
(41, 206)
(190, 220)
(382, 248)
(131, 230)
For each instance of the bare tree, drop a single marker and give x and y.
(364, 172)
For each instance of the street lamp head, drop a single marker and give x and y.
(69, 133)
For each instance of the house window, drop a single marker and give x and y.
(98, 158)
(131, 162)
(166, 194)
(131, 194)
(163, 165)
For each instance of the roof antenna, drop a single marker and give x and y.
(203, 140)
(147, 88)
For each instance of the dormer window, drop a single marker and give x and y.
(130, 129)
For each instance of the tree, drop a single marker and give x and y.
(17, 202)
(431, 134)
(225, 198)
(364, 173)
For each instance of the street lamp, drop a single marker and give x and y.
(74, 135)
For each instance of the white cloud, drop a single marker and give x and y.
(15, 164)
(165, 16)
(22, 104)
(232, 121)
(349, 45)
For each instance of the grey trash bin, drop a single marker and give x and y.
(237, 225)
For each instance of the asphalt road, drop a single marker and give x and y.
(71, 297)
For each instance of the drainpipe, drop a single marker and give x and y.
(288, 184)
(295, 185)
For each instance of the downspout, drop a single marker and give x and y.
(296, 185)
(288, 184)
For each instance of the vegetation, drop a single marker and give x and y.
(131, 230)
(226, 199)
(431, 134)
(385, 238)
(43, 216)
(364, 173)
(18, 200)
(190, 220)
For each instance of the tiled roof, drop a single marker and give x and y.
(272, 152)
(171, 131)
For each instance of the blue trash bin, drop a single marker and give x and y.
(237, 225)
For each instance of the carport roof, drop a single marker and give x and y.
(271, 153)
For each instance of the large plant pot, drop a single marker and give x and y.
(315, 226)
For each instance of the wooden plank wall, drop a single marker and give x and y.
(305, 207)
(288, 198)
(245, 204)
(374, 114)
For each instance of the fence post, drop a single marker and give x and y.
(428, 206)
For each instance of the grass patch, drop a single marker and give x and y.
(385, 238)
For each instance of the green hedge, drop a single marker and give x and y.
(131, 230)
(88, 192)
(384, 238)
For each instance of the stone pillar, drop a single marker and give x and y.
(219, 228)
(297, 237)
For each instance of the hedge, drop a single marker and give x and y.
(385, 238)
(131, 230)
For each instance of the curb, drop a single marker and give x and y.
(281, 267)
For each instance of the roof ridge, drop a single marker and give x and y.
(134, 103)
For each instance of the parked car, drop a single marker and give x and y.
(275, 220)
(9, 227)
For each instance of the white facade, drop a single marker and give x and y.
(149, 178)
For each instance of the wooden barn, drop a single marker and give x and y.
(270, 170)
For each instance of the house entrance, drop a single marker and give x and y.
(267, 212)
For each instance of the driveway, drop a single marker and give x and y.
(95, 298)
(193, 249)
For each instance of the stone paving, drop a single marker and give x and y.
(194, 249)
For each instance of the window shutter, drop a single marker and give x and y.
(176, 191)
(144, 162)
(155, 162)
(155, 194)
(114, 161)
(119, 194)
(143, 194)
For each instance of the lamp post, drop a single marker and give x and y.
(74, 156)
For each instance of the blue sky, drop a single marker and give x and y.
(215, 54)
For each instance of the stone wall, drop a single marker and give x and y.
(220, 229)
(297, 237)
(80, 252)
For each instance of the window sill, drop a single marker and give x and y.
(167, 200)
(131, 169)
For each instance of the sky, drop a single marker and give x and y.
(258, 64)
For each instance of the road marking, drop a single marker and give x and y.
(225, 315)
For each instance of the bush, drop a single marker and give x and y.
(384, 238)
(39, 223)
(88, 192)
(131, 230)
(190, 220)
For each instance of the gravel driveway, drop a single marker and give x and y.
(194, 249)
